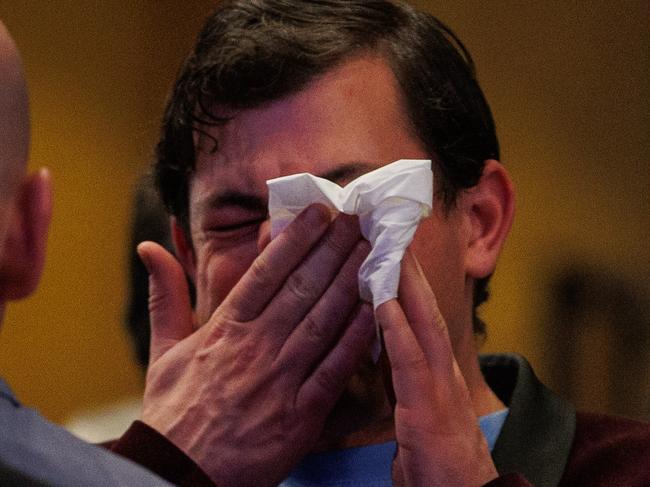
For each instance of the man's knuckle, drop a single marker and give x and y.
(302, 287)
(260, 271)
(315, 330)
(157, 301)
(337, 242)
(247, 352)
(410, 362)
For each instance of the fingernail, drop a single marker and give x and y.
(143, 257)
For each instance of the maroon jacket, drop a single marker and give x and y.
(543, 442)
(146, 446)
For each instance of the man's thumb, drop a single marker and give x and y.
(170, 312)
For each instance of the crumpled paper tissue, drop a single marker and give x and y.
(390, 203)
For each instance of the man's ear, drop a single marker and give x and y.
(184, 248)
(23, 257)
(490, 207)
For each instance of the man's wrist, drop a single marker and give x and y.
(147, 447)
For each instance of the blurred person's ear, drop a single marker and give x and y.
(24, 248)
(489, 210)
(183, 248)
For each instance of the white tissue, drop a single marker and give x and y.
(390, 202)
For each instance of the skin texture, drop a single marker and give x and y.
(268, 314)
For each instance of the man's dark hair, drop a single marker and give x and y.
(255, 51)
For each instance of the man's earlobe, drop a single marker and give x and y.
(183, 247)
(490, 207)
(25, 246)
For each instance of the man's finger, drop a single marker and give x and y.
(304, 287)
(277, 261)
(170, 312)
(423, 315)
(409, 368)
(324, 386)
(305, 344)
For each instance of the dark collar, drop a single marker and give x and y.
(537, 435)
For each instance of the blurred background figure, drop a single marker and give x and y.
(598, 337)
(149, 222)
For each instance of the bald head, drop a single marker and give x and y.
(14, 117)
(25, 200)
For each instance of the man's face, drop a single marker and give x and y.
(346, 123)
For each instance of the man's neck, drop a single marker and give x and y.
(364, 415)
(484, 400)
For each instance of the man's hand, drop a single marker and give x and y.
(246, 396)
(438, 437)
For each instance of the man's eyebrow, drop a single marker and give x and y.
(341, 173)
(347, 172)
(231, 198)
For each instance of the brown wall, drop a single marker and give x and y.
(569, 88)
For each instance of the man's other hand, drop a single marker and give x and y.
(438, 437)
